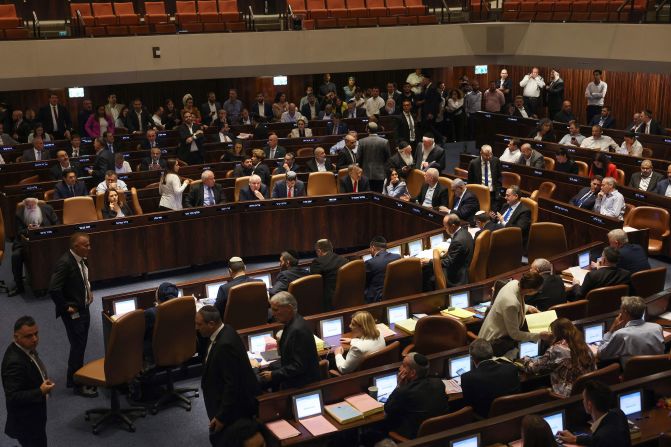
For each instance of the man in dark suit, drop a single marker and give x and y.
(260, 131)
(319, 163)
(648, 125)
(432, 187)
(55, 118)
(75, 148)
(520, 110)
(154, 162)
(353, 111)
(407, 124)
(354, 181)
(373, 153)
(466, 203)
(26, 385)
(486, 170)
(273, 149)
(604, 119)
(288, 165)
(336, 126)
(348, 154)
(586, 197)
(647, 179)
(565, 114)
(514, 213)
(103, 162)
(191, 140)
(207, 193)
(63, 165)
(209, 109)
(164, 292)
(261, 108)
(139, 119)
(432, 100)
(289, 272)
(299, 362)
(150, 140)
(663, 185)
(236, 269)
(69, 186)
(70, 291)
(38, 152)
(416, 398)
(531, 157)
(488, 379)
(633, 257)
(613, 427)
(110, 143)
(551, 292)
(254, 191)
(402, 161)
(484, 222)
(311, 109)
(376, 268)
(229, 384)
(606, 274)
(290, 187)
(429, 154)
(456, 261)
(327, 264)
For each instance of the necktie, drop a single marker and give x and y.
(38, 155)
(210, 196)
(458, 202)
(110, 147)
(85, 276)
(356, 185)
(506, 216)
(584, 198)
(486, 173)
(75, 152)
(139, 120)
(647, 128)
(54, 114)
(290, 192)
(272, 153)
(72, 190)
(40, 364)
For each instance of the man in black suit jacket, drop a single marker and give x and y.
(289, 272)
(353, 111)
(69, 186)
(26, 385)
(520, 109)
(354, 181)
(327, 264)
(63, 165)
(551, 292)
(348, 154)
(401, 165)
(466, 203)
(260, 131)
(646, 174)
(254, 191)
(456, 261)
(154, 162)
(649, 125)
(311, 103)
(38, 151)
(604, 119)
(70, 291)
(613, 428)
(633, 257)
(484, 222)
(290, 184)
(191, 140)
(319, 159)
(486, 170)
(273, 150)
(606, 274)
(514, 213)
(432, 100)
(376, 268)
(586, 197)
(229, 384)
(236, 269)
(299, 362)
(488, 379)
(210, 109)
(261, 105)
(440, 197)
(139, 120)
(335, 126)
(55, 113)
(407, 128)
(103, 162)
(429, 154)
(207, 193)
(150, 140)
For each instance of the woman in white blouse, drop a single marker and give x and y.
(366, 339)
(512, 152)
(170, 188)
(631, 146)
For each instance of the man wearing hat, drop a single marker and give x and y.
(289, 272)
(166, 291)
(290, 187)
(236, 269)
(353, 111)
(376, 268)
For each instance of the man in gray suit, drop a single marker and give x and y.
(38, 152)
(531, 157)
(373, 154)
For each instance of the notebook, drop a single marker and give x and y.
(461, 314)
(343, 412)
(541, 321)
(407, 325)
(282, 429)
(384, 330)
(365, 404)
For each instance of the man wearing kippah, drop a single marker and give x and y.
(236, 268)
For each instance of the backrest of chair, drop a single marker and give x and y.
(647, 152)
(8, 11)
(49, 195)
(308, 291)
(652, 217)
(546, 189)
(403, 277)
(83, 8)
(321, 184)
(483, 195)
(375, 3)
(228, 5)
(174, 338)
(356, 4)
(123, 356)
(323, 369)
(610, 375)
(335, 4)
(437, 333)
(240, 183)
(229, 173)
(546, 239)
(185, 7)
(135, 201)
(154, 7)
(274, 179)
(583, 169)
(645, 365)
(350, 285)
(79, 210)
(628, 208)
(461, 173)
(477, 271)
(124, 8)
(296, 5)
(207, 6)
(102, 9)
(549, 163)
(533, 206)
(447, 184)
(648, 282)
(509, 179)
(315, 4)
(100, 203)
(446, 421)
(414, 181)
(385, 356)
(514, 402)
(2, 235)
(575, 310)
(305, 152)
(29, 180)
(438, 273)
(247, 305)
(605, 299)
(621, 177)
(509, 241)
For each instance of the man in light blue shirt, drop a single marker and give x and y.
(609, 201)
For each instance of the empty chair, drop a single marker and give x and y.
(414, 182)
(403, 277)
(605, 299)
(317, 9)
(583, 169)
(79, 210)
(154, 12)
(515, 402)
(656, 220)
(29, 180)
(646, 365)
(509, 179)
(309, 292)
(461, 173)
(357, 8)
(580, 11)
(228, 11)
(187, 17)
(447, 184)
(305, 152)
(545, 189)
(440, 423)
(575, 310)
(544, 14)
(207, 11)
(511, 10)
(85, 14)
(621, 177)
(437, 333)
(610, 375)
(416, 7)
(376, 8)
(103, 14)
(396, 8)
(350, 285)
(336, 8)
(648, 282)
(274, 179)
(599, 10)
(135, 202)
(8, 17)
(562, 13)
(549, 162)
(321, 184)
(477, 271)
(297, 7)
(247, 305)
(508, 241)
(527, 11)
(483, 195)
(546, 239)
(125, 13)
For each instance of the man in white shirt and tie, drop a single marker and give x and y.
(37, 153)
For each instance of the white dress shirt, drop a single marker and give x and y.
(359, 347)
(428, 198)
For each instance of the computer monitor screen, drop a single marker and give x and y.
(396, 250)
(265, 278)
(366, 257)
(437, 239)
(122, 307)
(460, 365)
(631, 403)
(385, 385)
(397, 313)
(257, 342)
(459, 300)
(331, 327)
(308, 404)
(471, 441)
(481, 69)
(583, 259)
(213, 289)
(555, 421)
(529, 349)
(593, 333)
(180, 293)
(414, 247)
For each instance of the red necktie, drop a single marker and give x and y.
(356, 184)
(290, 193)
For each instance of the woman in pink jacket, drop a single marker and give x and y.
(99, 123)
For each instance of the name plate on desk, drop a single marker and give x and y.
(161, 134)
(416, 210)
(538, 173)
(49, 145)
(487, 115)
(505, 166)
(85, 227)
(125, 137)
(307, 202)
(400, 205)
(43, 233)
(84, 159)
(560, 209)
(539, 145)
(223, 209)
(376, 198)
(333, 199)
(597, 219)
(254, 205)
(308, 140)
(191, 213)
(122, 222)
(573, 179)
(358, 198)
(283, 203)
(667, 140)
(31, 188)
(510, 118)
(7, 148)
(640, 196)
(158, 218)
(41, 164)
(123, 177)
(570, 150)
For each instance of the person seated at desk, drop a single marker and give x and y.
(236, 269)
(299, 362)
(507, 314)
(466, 203)
(244, 169)
(170, 188)
(433, 194)
(606, 274)
(111, 182)
(113, 207)
(327, 264)
(609, 202)
(531, 157)
(543, 131)
(567, 358)
(273, 150)
(632, 256)
(37, 153)
(164, 292)
(376, 268)
(394, 187)
(366, 339)
(573, 137)
(536, 432)
(647, 179)
(121, 166)
(565, 115)
(75, 148)
(236, 153)
(564, 163)
(154, 162)
(630, 146)
(429, 155)
(224, 135)
(402, 160)
(254, 191)
(630, 334)
(484, 222)
(552, 291)
(289, 187)
(288, 165)
(354, 181)
(488, 379)
(289, 272)
(610, 427)
(604, 119)
(586, 197)
(598, 141)
(63, 164)
(149, 141)
(208, 193)
(456, 260)
(69, 186)
(301, 131)
(512, 152)
(319, 163)
(259, 168)
(514, 213)
(417, 397)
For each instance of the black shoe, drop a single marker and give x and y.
(86, 391)
(15, 291)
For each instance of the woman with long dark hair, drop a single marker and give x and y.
(536, 432)
(170, 188)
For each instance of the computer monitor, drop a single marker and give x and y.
(257, 342)
(459, 365)
(365, 258)
(593, 332)
(437, 239)
(331, 327)
(530, 349)
(122, 307)
(555, 421)
(583, 260)
(459, 300)
(307, 404)
(469, 441)
(631, 402)
(415, 247)
(213, 288)
(180, 293)
(397, 313)
(396, 250)
(385, 385)
(265, 277)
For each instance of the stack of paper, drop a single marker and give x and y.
(320, 343)
(343, 412)
(576, 273)
(461, 314)
(541, 321)
(665, 316)
(384, 330)
(318, 425)
(452, 386)
(407, 325)
(282, 429)
(365, 404)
